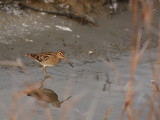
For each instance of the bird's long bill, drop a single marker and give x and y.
(68, 62)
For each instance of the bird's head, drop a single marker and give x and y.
(60, 54)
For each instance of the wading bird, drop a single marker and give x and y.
(47, 59)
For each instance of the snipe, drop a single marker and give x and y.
(47, 59)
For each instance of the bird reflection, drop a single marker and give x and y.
(46, 95)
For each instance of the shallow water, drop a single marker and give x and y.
(111, 39)
(95, 101)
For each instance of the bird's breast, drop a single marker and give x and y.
(51, 61)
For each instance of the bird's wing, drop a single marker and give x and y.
(40, 57)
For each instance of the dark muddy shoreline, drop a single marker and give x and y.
(38, 32)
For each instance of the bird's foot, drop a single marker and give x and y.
(46, 77)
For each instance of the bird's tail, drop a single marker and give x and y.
(30, 55)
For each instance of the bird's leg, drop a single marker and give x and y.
(44, 70)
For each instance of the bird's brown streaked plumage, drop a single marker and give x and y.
(48, 59)
(45, 58)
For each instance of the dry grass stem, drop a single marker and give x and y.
(155, 82)
(17, 63)
(67, 107)
(147, 14)
(136, 55)
(150, 114)
(139, 38)
(139, 112)
(140, 54)
(91, 110)
(155, 86)
(108, 111)
(49, 113)
(126, 105)
(17, 96)
(129, 94)
(67, 92)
